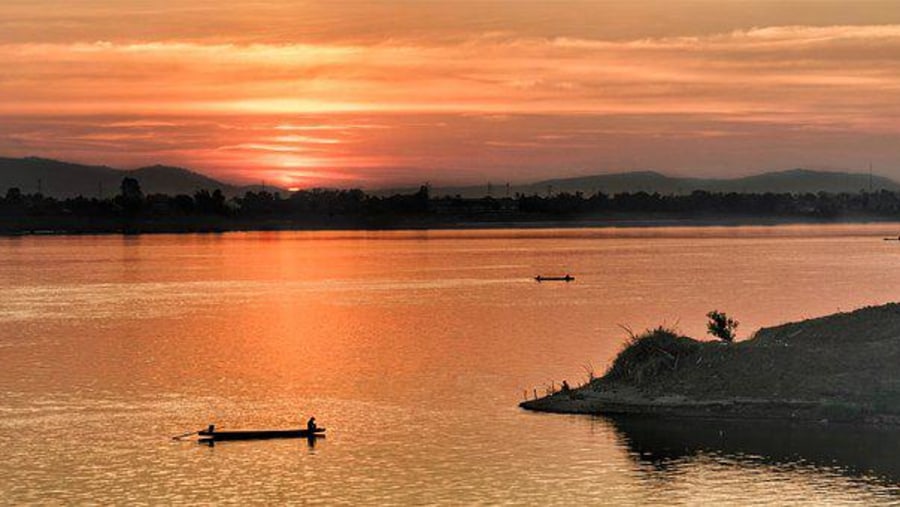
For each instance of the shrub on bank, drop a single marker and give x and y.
(650, 354)
(721, 326)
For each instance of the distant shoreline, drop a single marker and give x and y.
(111, 227)
(133, 212)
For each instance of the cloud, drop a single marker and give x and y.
(792, 69)
(350, 106)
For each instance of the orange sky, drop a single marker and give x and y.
(371, 93)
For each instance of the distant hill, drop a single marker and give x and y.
(648, 181)
(65, 179)
(803, 180)
(794, 181)
(175, 180)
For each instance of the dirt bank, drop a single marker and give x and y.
(843, 367)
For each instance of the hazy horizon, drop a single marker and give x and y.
(380, 94)
(497, 184)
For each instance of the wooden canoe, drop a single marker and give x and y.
(220, 435)
(567, 278)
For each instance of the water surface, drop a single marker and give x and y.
(413, 348)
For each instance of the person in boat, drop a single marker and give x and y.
(311, 424)
(565, 386)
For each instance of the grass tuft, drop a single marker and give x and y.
(651, 354)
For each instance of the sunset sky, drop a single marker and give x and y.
(375, 93)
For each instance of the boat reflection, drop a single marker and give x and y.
(853, 451)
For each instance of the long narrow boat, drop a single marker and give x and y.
(218, 435)
(567, 278)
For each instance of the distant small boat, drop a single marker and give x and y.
(567, 278)
(892, 239)
(217, 435)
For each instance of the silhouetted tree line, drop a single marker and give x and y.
(131, 204)
(818, 205)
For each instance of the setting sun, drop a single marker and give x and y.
(415, 92)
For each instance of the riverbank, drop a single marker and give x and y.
(194, 225)
(840, 368)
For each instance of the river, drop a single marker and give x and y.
(413, 349)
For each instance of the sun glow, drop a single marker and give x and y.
(516, 95)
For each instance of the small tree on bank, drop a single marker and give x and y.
(721, 326)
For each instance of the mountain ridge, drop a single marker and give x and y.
(67, 179)
(788, 181)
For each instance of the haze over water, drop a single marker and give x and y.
(413, 349)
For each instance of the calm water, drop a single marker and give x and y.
(413, 348)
